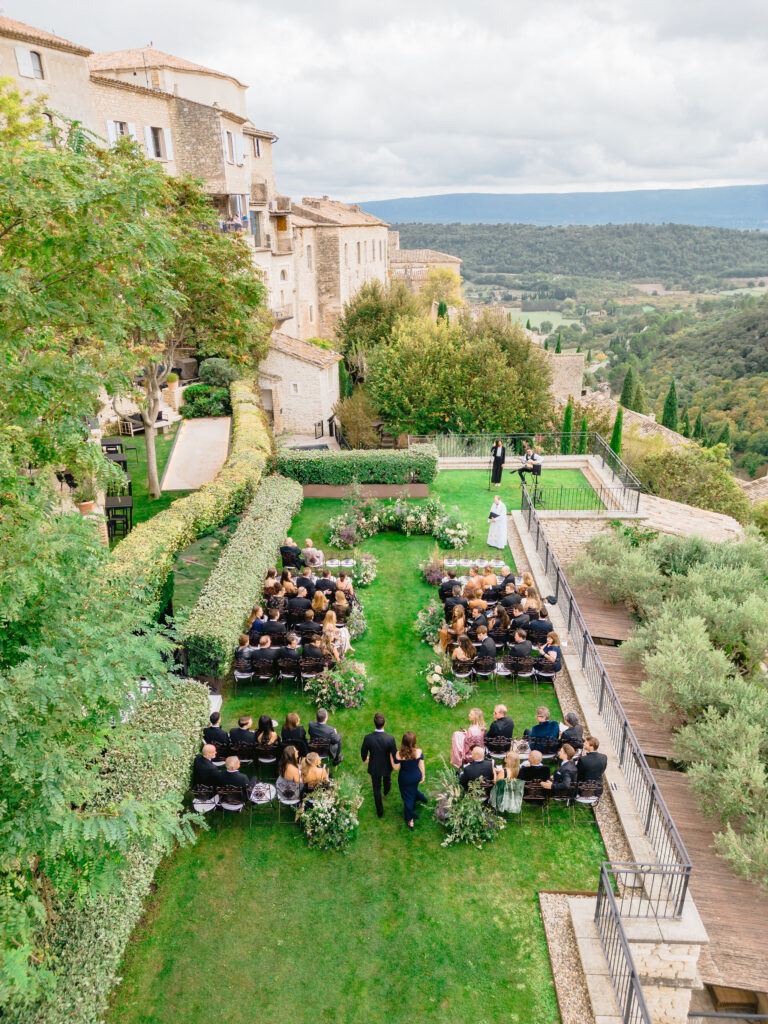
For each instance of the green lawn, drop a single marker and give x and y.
(145, 507)
(400, 930)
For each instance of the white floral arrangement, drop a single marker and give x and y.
(366, 569)
(367, 517)
(445, 690)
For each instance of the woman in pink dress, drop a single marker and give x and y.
(463, 740)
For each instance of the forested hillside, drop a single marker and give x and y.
(627, 252)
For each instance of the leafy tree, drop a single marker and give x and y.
(566, 442)
(442, 285)
(583, 436)
(698, 428)
(685, 426)
(617, 428)
(669, 414)
(628, 390)
(558, 346)
(696, 476)
(368, 319)
(545, 327)
(639, 401)
(725, 435)
(358, 418)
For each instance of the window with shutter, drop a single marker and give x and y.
(239, 150)
(24, 62)
(149, 144)
(37, 64)
(168, 144)
(131, 131)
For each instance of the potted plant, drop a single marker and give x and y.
(172, 380)
(85, 496)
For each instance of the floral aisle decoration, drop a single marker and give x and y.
(366, 517)
(366, 568)
(357, 623)
(429, 622)
(329, 816)
(445, 690)
(339, 687)
(432, 568)
(464, 813)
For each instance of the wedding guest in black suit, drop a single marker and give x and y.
(377, 751)
(273, 626)
(539, 629)
(591, 766)
(298, 605)
(293, 733)
(306, 628)
(502, 724)
(499, 456)
(204, 772)
(309, 649)
(325, 583)
(487, 648)
(453, 600)
(306, 581)
(234, 777)
(521, 648)
(290, 553)
(265, 653)
(213, 733)
(320, 730)
(478, 768)
(445, 590)
(244, 654)
(243, 733)
(534, 770)
(564, 779)
(291, 649)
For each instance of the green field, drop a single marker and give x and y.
(252, 927)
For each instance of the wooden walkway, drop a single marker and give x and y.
(733, 909)
(654, 734)
(604, 621)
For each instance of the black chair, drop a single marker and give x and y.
(311, 668)
(485, 668)
(522, 668)
(246, 752)
(232, 799)
(320, 747)
(267, 754)
(588, 794)
(534, 795)
(498, 747)
(242, 677)
(548, 746)
(288, 669)
(223, 750)
(204, 799)
(462, 669)
(264, 671)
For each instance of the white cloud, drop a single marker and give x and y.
(377, 100)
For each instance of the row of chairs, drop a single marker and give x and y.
(281, 670)
(265, 755)
(236, 799)
(490, 670)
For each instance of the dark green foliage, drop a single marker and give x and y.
(696, 476)
(368, 318)
(589, 356)
(546, 344)
(725, 435)
(366, 466)
(442, 310)
(345, 385)
(528, 324)
(669, 415)
(628, 390)
(558, 346)
(698, 428)
(617, 428)
(202, 400)
(219, 373)
(685, 423)
(583, 438)
(566, 441)
(639, 402)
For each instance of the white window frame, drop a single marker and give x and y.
(25, 64)
(256, 145)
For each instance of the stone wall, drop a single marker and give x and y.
(115, 101)
(568, 537)
(306, 393)
(66, 80)
(567, 371)
(197, 138)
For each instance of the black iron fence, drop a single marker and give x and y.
(585, 499)
(666, 882)
(624, 977)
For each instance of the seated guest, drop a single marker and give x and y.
(273, 626)
(298, 605)
(293, 732)
(473, 581)
(552, 660)
(291, 650)
(478, 768)
(474, 600)
(304, 579)
(310, 554)
(213, 733)
(339, 632)
(204, 771)
(502, 724)
(464, 653)
(573, 732)
(477, 619)
(544, 728)
(445, 589)
(345, 584)
(288, 771)
(340, 607)
(310, 651)
(487, 648)
(564, 779)
(244, 654)
(321, 730)
(279, 600)
(256, 621)
(541, 627)
(286, 576)
(534, 770)
(489, 578)
(325, 583)
(453, 601)
(451, 633)
(309, 626)
(520, 620)
(506, 576)
(528, 580)
(329, 646)
(290, 553)
(319, 603)
(312, 771)
(270, 580)
(498, 621)
(508, 788)
(511, 598)
(290, 589)
(232, 776)
(464, 740)
(521, 648)
(265, 733)
(265, 653)
(591, 766)
(243, 733)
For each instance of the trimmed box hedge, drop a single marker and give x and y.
(417, 464)
(146, 556)
(89, 938)
(211, 633)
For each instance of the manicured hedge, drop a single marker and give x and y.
(210, 634)
(89, 939)
(147, 554)
(417, 464)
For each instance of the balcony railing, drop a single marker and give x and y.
(282, 313)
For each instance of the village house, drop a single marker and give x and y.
(299, 385)
(413, 266)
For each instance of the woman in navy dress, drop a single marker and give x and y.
(408, 762)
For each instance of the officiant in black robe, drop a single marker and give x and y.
(499, 456)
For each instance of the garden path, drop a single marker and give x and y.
(198, 454)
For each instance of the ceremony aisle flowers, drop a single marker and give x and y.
(340, 687)
(329, 816)
(466, 816)
(366, 517)
(445, 690)
(429, 622)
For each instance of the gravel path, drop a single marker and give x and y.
(571, 988)
(198, 453)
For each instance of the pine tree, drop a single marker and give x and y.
(698, 429)
(558, 346)
(639, 400)
(565, 441)
(725, 435)
(528, 324)
(616, 435)
(442, 310)
(669, 415)
(583, 438)
(628, 391)
(578, 350)
(546, 344)
(589, 357)
(685, 427)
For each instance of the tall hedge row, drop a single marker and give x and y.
(237, 582)
(89, 938)
(417, 464)
(147, 554)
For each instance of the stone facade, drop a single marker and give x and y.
(413, 266)
(299, 384)
(643, 426)
(567, 369)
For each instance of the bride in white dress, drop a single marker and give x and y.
(497, 519)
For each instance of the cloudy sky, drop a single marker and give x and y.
(409, 97)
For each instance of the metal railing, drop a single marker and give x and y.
(624, 977)
(668, 879)
(590, 498)
(614, 462)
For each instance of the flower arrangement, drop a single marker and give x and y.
(429, 622)
(366, 517)
(445, 690)
(366, 568)
(465, 814)
(432, 569)
(357, 623)
(329, 816)
(340, 687)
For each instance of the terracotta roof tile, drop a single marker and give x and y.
(18, 30)
(149, 57)
(303, 350)
(421, 256)
(331, 211)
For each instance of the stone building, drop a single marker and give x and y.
(299, 385)
(413, 266)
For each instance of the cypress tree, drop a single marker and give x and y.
(442, 310)
(725, 435)
(669, 415)
(528, 324)
(628, 391)
(578, 349)
(546, 343)
(582, 447)
(589, 357)
(558, 347)
(698, 429)
(616, 435)
(565, 441)
(345, 386)
(639, 401)
(685, 428)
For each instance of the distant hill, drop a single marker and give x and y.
(735, 206)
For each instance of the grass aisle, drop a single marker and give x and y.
(398, 931)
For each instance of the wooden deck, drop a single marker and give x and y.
(732, 908)
(653, 734)
(604, 621)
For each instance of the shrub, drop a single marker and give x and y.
(429, 622)
(201, 400)
(358, 419)
(357, 623)
(443, 688)
(147, 554)
(90, 935)
(465, 815)
(329, 817)
(366, 568)
(340, 687)
(417, 464)
(218, 373)
(236, 583)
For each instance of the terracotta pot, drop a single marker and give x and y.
(172, 385)
(86, 507)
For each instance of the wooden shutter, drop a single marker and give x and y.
(148, 142)
(168, 144)
(132, 131)
(24, 62)
(111, 133)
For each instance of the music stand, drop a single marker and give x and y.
(537, 499)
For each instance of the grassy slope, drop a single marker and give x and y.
(399, 930)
